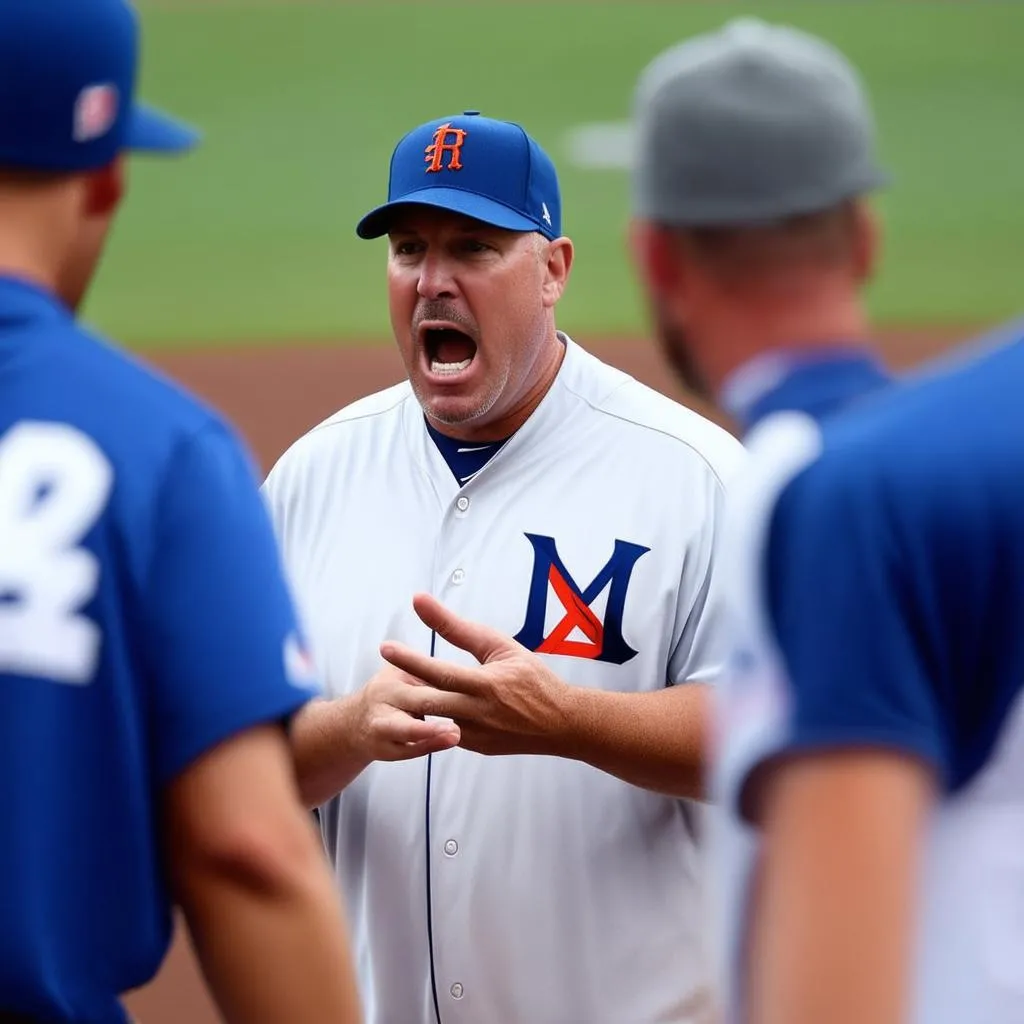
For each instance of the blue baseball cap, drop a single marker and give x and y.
(68, 73)
(486, 169)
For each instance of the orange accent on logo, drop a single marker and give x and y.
(577, 616)
(436, 150)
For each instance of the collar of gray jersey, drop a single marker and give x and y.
(752, 123)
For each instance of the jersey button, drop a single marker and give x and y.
(451, 848)
(462, 504)
(456, 991)
(459, 576)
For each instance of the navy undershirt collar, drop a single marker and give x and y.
(464, 458)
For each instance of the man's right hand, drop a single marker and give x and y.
(334, 740)
(385, 731)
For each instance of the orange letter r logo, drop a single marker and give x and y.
(442, 144)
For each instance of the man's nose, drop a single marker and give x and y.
(436, 279)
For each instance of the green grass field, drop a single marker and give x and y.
(253, 236)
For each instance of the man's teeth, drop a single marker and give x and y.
(436, 366)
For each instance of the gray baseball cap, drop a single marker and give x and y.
(750, 124)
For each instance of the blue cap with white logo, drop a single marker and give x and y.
(68, 72)
(489, 170)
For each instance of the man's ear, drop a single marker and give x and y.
(867, 241)
(106, 188)
(558, 266)
(660, 261)
(655, 257)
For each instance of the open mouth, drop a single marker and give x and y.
(449, 351)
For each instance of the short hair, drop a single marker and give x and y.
(30, 178)
(820, 238)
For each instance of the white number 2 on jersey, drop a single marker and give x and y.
(54, 483)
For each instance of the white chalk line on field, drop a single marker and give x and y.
(600, 145)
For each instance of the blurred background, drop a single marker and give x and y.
(237, 270)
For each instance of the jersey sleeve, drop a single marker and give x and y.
(271, 493)
(701, 641)
(225, 646)
(844, 611)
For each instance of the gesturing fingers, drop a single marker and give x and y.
(425, 701)
(443, 675)
(399, 737)
(396, 726)
(408, 751)
(481, 641)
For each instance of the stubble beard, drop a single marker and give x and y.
(466, 414)
(678, 352)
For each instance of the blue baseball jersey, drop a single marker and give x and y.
(819, 381)
(876, 579)
(143, 619)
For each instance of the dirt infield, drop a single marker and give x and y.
(273, 395)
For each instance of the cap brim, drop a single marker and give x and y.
(377, 222)
(151, 131)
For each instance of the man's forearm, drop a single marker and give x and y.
(657, 741)
(321, 742)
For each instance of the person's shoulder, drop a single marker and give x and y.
(953, 421)
(933, 455)
(783, 449)
(369, 410)
(808, 480)
(362, 419)
(127, 403)
(636, 408)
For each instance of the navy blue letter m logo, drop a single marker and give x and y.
(604, 640)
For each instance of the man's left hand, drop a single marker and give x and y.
(510, 703)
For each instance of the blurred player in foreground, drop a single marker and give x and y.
(148, 649)
(752, 230)
(873, 728)
(871, 758)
